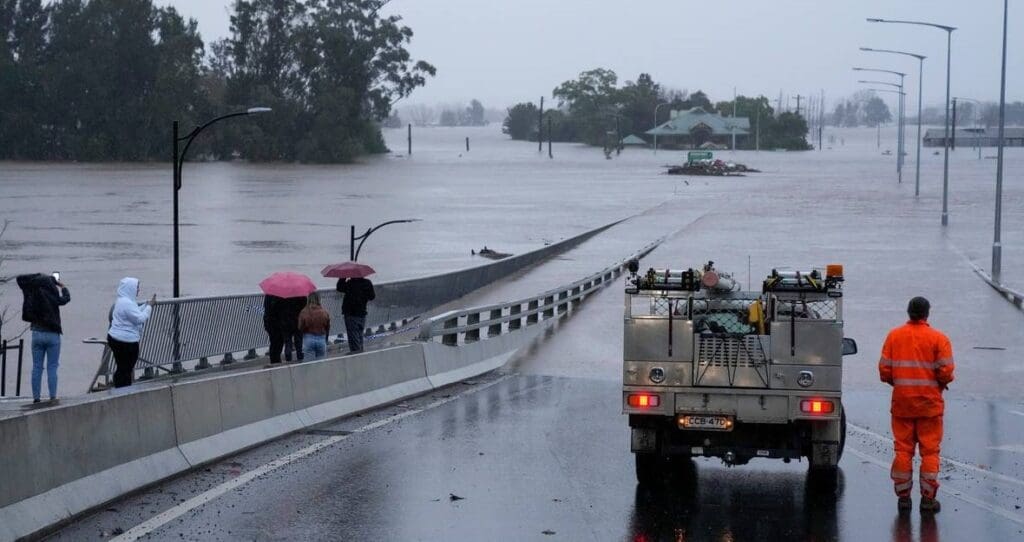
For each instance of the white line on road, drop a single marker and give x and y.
(953, 462)
(179, 510)
(1017, 412)
(953, 491)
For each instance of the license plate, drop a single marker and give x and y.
(711, 423)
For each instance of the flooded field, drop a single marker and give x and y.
(98, 222)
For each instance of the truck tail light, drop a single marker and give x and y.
(643, 400)
(817, 406)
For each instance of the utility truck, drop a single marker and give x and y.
(712, 370)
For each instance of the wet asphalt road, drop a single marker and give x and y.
(540, 451)
(528, 455)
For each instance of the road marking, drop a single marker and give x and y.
(1015, 448)
(954, 462)
(1017, 412)
(179, 510)
(951, 490)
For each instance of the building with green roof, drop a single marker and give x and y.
(693, 128)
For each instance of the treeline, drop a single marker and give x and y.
(969, 113)
(103, 79)
(593, 104)
(863, 108)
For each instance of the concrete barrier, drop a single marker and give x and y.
(58, 463)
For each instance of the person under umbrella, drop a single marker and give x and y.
(357, 291)
(285, 298)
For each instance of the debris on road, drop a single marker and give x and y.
(453, 497)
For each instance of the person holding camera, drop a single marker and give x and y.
(127, 317)
(44, 296)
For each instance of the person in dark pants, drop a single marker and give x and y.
(126, 320)
(358, 292)
(44, 296)
(292, 335)
(281, 320)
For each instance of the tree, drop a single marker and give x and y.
(637, 102)
(521, 122)
(449, 118)
(876, 111)
(475, 114)
(421, 114)
(591, 101)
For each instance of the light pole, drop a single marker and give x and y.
(879, 143)
(920, 87)
(977, 109)
(900, 137)
(353, 250)
(899, 90)
(997, 247)
(656, 125)
(945, 166)
(179, 161)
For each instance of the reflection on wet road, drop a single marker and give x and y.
(514, 457)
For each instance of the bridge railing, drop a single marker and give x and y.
(479, 323)
(201, 328)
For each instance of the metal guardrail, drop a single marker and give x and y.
(1015, 297)
(4, 347)
(465, 325)
(201, 328)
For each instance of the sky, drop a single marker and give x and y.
(503, 51)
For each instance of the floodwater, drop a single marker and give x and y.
(240, 222)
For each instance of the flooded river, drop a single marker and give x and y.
(96, 223)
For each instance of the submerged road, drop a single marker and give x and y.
(540, 450)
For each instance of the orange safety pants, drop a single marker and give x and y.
(908, 433)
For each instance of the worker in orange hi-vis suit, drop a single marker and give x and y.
(917, 361)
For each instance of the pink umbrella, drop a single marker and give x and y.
(287, 284)
(347, 270)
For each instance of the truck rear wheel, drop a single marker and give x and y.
(649, 469)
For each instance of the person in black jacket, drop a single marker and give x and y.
(44, 296)
(358, 292)
(281, 320)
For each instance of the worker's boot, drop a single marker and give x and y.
(930, 505)
(904, 504)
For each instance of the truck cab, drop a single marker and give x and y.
(712, 370)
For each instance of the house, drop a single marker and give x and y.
(693, 128)
(633, 140)
(975, 137)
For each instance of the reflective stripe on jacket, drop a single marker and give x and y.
(918, 361)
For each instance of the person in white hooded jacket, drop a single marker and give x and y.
(126, 320)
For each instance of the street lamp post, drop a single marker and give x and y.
(656, 124)
(945, 166)
(353, 250)
(879, 141)
(179, 160)
(899, 105)
(900, 137)
(920, 87)
(977, 108)
(997, 247)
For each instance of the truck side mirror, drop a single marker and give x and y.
(849, 346)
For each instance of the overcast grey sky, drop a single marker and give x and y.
(505, 51)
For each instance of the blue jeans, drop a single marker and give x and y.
(315, 346)
(45, 346)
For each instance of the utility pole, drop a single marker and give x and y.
(540, 126)
(550, 137)
(732, 127)
(952, 133)
(798, 104)
(821, 119)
